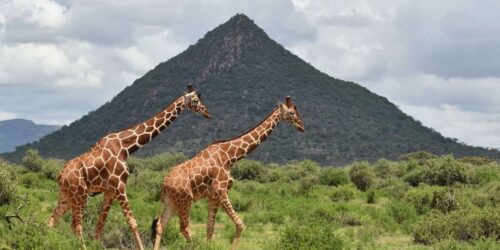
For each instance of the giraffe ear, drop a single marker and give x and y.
(288, 101)
(190, 88)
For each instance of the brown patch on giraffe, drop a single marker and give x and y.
(154, 134)
(132, 149)
(125, 133)
(143, 139)
(150, 122)
(129, 141)
(140, 129)
(159, 122)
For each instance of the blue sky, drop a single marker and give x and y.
(439, 61)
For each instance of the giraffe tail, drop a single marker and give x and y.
(153, 229)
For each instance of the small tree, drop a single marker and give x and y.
(32, 160)
(8, 191)
(361, 174)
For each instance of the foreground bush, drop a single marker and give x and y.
(361, 174)
(313, 236)
(462, 225)
(8, 191)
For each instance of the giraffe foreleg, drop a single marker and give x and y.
(122, 199)
(106, 206)
(184, 214)
(228, 207)
(213, 206)
(76, 223)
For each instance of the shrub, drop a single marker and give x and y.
(307, 182)
(393, 187)
(463, 225)
(32, 160)
(370, 197)
(30, 180)
(476, 160)
(361, 174)
(162, 161)
(401, 211)
(444, 200)
(333, 177)
(342, 193)
(314, 236)
(386, 169)
(420, 156)
(8, 191)
(489, 195)
(444, 171)
(51, 169)
(248, 170)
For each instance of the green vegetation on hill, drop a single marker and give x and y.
(242, 74)
(453, 204)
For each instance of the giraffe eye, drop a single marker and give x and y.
(195, 101)
(292, 113)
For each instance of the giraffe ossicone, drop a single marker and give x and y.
(207, 175)
(103, 167)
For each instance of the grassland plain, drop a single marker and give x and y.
(420, 202)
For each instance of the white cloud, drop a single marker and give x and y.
(473, 128)
(48, 65)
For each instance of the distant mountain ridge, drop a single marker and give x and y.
(17, 132)
(242, 74)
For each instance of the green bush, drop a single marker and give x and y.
(32, 160)
(386, 169)
(401, 212)
(420, 156)
(51, 168)
(30, 180)
(361, 174)
(159, 162)
(342, 193)
(333, 177)
(370, 197)
(476, 160)
(315, 236)
(444, 171)
(248, 170)
(462, 225)
(8, 190)
(444, 200)
(489, 195)
(306, 183)
(393, 187)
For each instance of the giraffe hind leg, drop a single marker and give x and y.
(158, 226)
(61, 208)
(106, 206)
(228, 207)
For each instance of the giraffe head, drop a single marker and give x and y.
(192, 100)
(290, 114)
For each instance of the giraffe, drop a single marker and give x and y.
(207, 175)
(103, 167)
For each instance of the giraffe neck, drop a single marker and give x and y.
(247, 142)
(152, 127)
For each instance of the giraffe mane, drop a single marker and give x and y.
(246, 132)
